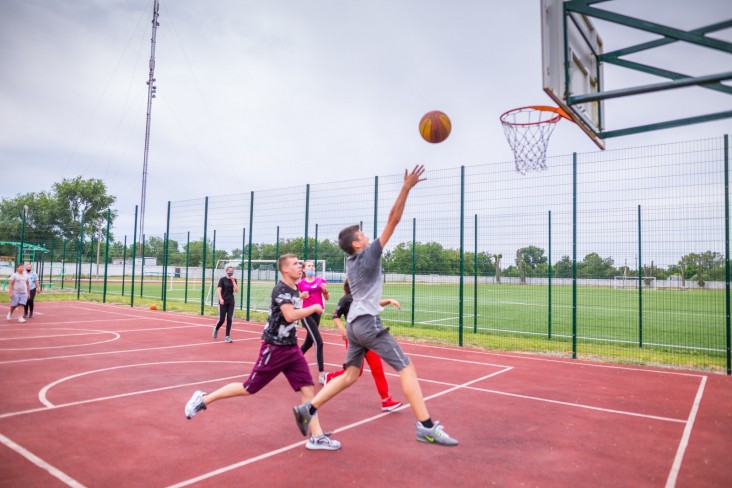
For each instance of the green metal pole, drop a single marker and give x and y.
(124, 264)
(249, 254)
(315, 249)
(549, 298)
(241, 278)
(91, 261)
(203, 259)
(188, 255)
(307, 218)
(213, 267)
(726, 254)
(142, 264)
(574, 255)
(376, 206)
(134, 258)
(165, 265)
(475, 276)
(414, 264)
(640, 282)
(461, 300)
(19, 259)
(106, 258)
(79, 257)
(63, 265)
(277, 254)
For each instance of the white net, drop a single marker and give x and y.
(528, 130)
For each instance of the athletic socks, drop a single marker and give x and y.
(428, 424)
(312, 410)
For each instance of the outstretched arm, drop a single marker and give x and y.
(395, 215)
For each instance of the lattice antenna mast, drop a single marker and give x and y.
(151, 88)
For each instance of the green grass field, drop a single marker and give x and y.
(679, 328)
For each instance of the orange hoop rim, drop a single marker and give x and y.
(560, 114)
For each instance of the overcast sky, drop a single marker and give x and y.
(255, 95)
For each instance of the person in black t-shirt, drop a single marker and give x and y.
(225, 290)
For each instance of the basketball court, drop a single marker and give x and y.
(94, 396)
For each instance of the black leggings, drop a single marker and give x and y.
(225, 311)
(312, 323)
(28, 307)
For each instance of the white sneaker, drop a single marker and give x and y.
(195, 404)
(322, 379)
(10, 316)
(322, 443)
(21, 320)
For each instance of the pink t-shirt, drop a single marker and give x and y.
(314, 289)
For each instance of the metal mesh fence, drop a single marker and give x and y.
(620, 255)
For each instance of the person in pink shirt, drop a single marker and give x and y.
(313, 290)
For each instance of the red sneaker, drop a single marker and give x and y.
(390, 405)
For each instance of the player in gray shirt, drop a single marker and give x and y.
(365, 330)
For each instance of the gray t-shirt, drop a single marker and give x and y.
(365, 279)
(20, 283)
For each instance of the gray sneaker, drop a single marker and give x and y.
(322, 443)
(435, 435)
(195, 404)
(215, 333)
(303, 417)
(228, 338)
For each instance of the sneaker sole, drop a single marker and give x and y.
(390, 409)
(321, 447)
(434, 443)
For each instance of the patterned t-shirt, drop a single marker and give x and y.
(278, 330)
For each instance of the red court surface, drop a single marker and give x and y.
(93, 395)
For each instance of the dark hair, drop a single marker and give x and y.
(346, 287)
(346, 238)
(283, 259)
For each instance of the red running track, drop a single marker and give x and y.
(93, 395)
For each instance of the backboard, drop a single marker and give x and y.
(570, 49)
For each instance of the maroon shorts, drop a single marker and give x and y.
(274, 360)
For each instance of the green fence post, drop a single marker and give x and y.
(134, 258)
(376, 206)
(640, 282)
(315, 249)
(142, 263)
(249, 254)
(165, 265)
(307, 218)
(213, 267)
(726, 255)
(19, 259)
(203, 259)
(91, 262)
(414, 264)
(124, 264)
(106, 259)
(277, 254)
(79, 255)
(461, 303)
(241, 278)
(188, 255)
(574, 255)
(63, 265)
(475, 276)
(549, 298)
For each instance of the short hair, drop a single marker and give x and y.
(346, 238)
(283, 259)
(229, 267)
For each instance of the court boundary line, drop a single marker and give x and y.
(684, 441)
(45, 466)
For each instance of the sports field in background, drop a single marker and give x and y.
(680, 327)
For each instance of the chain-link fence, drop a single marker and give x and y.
(621, 255)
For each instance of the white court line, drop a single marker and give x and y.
(53, 471)
(674, 473)
(269, 454)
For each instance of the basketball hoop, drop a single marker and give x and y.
(528, 130)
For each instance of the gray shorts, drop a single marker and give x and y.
(367, 333)
(18, 299)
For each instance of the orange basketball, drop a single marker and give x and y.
(153, 307)
(435, 126)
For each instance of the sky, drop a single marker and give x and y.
(255, 95)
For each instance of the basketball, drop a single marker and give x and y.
(435, 126)
(153, 307)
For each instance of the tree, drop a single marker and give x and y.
(77, 197)
(563, 268)
(594, 266)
